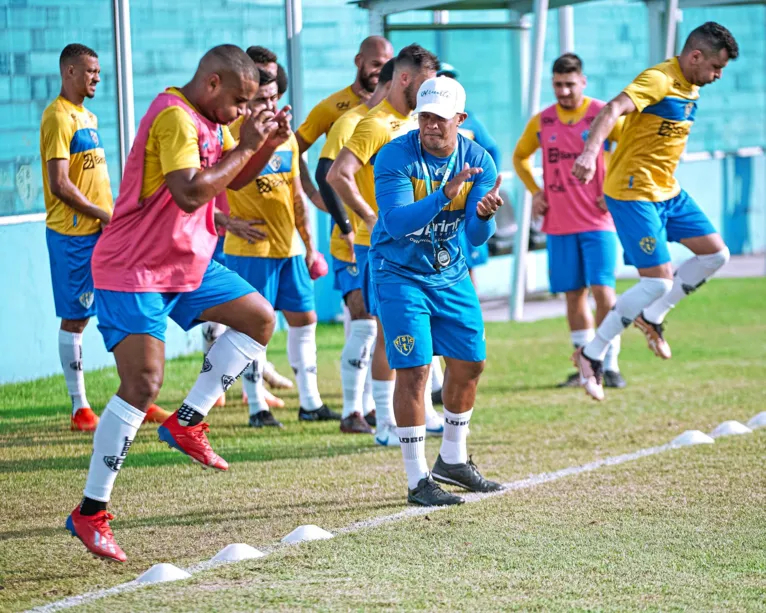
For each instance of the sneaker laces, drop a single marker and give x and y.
(101, 523)
(198, 432)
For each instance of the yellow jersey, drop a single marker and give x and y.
(70, 132)
(529, 142)
(377, 128)
(269, 197)
(173, 145)
(655, 135)
(337, 137)
(324, 115)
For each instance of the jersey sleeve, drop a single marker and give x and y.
(177, 140)
(228, 140)
(295, 170)
(478, 230)
(369, 136)
(648, 88)
(337, 137)
(316, 124)
(57, 133)
(525, 149)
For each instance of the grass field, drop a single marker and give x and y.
(679, 530)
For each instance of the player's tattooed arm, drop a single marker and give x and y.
(302, 221)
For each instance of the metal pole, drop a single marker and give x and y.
(671, 22)
(566, 30)
(294, 23)
(524, 209)
(124, 62)
(655, 23)
(377, 22)
(441, 18)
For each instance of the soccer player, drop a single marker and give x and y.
(374, 52)
(153, 261)
(582, 244)
(431, 185)
(276, 268)
(647, 203)
(351, 176)
(355, 358)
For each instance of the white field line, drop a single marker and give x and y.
(531, 481)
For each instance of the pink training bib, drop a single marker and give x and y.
(572, 207)
(151, 245)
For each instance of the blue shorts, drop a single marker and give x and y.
(474, 256)
(218, 254)
(347, 278)
(70, 273)
(645, 228)
(284, 282)
(421, 322)
(581, 260)
(123, 313)
(370, 303)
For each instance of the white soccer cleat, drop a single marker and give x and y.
(591, 374)
(434, 421)
(386, 435)
(274, 379)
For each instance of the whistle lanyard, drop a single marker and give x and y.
(441, 255)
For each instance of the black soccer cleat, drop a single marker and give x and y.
(264, 419)
(465, 475)
(323, 413)
(428, 493)
(572, 380)
(613, 378)
(371, 419)
(436, 397)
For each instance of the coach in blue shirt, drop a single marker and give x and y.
(432, 185)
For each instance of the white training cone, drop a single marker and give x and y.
(759, 421)
(730, 427)
(307, 533)
(692, 437)
(159, 573)
(236, 552)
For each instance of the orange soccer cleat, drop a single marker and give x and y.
(155, 415)
(84, 420)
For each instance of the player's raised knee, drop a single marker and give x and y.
(142, 389)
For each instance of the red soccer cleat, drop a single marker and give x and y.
(95, 534)
(155, 415)
(192, 441)
(84, 420)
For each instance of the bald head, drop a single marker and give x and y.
(374, 52)
(227, 61)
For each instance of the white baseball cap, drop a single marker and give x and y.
(441, 96)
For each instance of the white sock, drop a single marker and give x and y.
(383, 393)
(70, 353)
(355, 363)
(454, 450)
(437, 376)
(302, 354)
(582, 337)
(225, 362)
(113, 437)
(610, 359)
(211, 331)
(689, 276)
(252, 383)
(368, 402)
(627, 308)
(413, 442)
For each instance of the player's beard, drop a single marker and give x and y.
(411, 96)
(366, 82)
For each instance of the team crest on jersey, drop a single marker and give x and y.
(585, 135)
(648, 244)
(275, 163)
(688, 110)
(94, 137)
(404, 344)
(86, 299)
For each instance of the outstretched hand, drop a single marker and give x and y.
(283, 130)
(452, 189)
(491, 202)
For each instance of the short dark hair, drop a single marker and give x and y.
(415, 56)
(261, 55)
(75, 50)
(282, 81)
(387, 72)
(569, 62)
(229, 60)
(266, 77)
(711, 37)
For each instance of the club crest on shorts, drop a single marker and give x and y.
(404, 344)
(86, 300)
(648, 244)
(352, 270)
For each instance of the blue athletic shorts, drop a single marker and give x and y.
(346, 277)
(70, 273)
(284, 282)
(218, 254)
(474, 256)
(421, 322)
(370, 303)
(123, 313)
(645, 228)
(581, 260)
